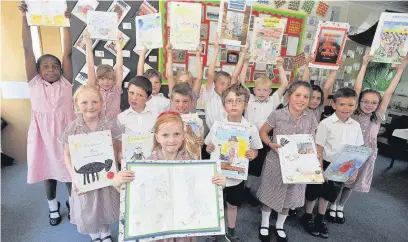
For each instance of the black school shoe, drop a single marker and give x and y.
(292, 212)
(265, 238)
(340, 220)
(55, 221)
(69, 209)
(331, 218)
(281, 239)
(319, 229)
(307, 221)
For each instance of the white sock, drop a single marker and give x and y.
(279, 224)
(340, 208)
(248, 182)
(333, 207)
(265, 222)
(94, 236)
(53, 206)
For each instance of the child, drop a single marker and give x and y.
(235, 100)
(93, 211)
(138, 118)
(258, 110)
(185, 76)
(158, 102)
(292, 119)
(319, 99)
(50, 85)
(106, 79)
(168, 144)
(332, 134)
(370, 113)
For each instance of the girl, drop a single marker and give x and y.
(51, 103)
(169, 144)
(185, 76)
(370, 113)
(93, 211)
(106, 79)
(292, 119)
(319, 99)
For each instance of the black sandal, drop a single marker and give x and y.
(340, 220)
(55, 221)
(264, 238)
(107, 237)
(331, 218)
(281, 239)
(69, 209)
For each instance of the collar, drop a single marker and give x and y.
(256, 100)
(335, 119)
(286, 110)
(243, 120)
(158, 95)
(81, 122)
(145, 110)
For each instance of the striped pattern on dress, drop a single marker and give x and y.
(111, 102)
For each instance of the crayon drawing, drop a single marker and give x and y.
(80, 43)
(82, 7)
(47, 13)
(111, 45)
(102, 25)
(120, 8)
(136, 147)
(148, 31)
(233, 25)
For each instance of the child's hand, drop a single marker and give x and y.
(340, 62)
(123, 177)
(246, 48)
(144, 50)
(87, 35)
(210, 148)
(251, 154)
(352, 179)
(216, 44)
(404, 62)
(309, 59)
(119, 36)
(275, 147)
(200, 49)
(200, 140)
(279, 62)
(74, 189)
(367, 58)
(67, 14)
(219, 180)
(23, 8)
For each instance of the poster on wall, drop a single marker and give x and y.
(145, 8)
(111, 45)
(82, 76)
(185, 21)
(390, 41)
(329, 44)
(266, 40)
(149, 32)
(121, 8)
(82, 7)
(47, 13)
(102, 25)
(80, 43)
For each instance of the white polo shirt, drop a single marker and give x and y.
(214, 110)
(158, 103)
(136, 122)
(255, 143)
(333, 134)
(257, 112)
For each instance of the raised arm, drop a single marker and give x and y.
(306, 73)
(119, 62)
(238, 67)
(199, 66)
(391, 88)
(141, 62)
(30, 63)
(90, 60)
(242, 76)
(67, 53)
(328, 84)
(282, 77)
(360, 77)
(211, 68)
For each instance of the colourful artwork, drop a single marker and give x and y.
(154, 206)
(80, 44)
(145, 8)
(136, 147)
(349, 160)
(266, 40)
(233, 25)
(298, 159)
(120, 8)
(102, 25)
(82, 7)
(231, 143)
(329, 44)
(294, 5)
(300, 60)
(390, 41)
(322, 8)
(82, 76)
(111, 45)
(279, 3)
(378, 76)
(93, 160)
(308, 6)
(47, 13)
(149, 31)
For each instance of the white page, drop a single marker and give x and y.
(291, 48)
(14, 90)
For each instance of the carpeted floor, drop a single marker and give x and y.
(381, 215)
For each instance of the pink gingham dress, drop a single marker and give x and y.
(111, 102)
(51, 111)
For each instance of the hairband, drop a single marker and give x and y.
(169, 112)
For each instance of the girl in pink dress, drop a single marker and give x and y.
(107, 79)
(51, 111)
(92, 212)
(169, 144)
(370, 113)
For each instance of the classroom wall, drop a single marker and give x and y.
(17, 112)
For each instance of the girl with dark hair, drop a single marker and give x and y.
(50, 86)
(370, 113)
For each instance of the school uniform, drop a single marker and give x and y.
(256, 113)
(158, 103)
(333, 134)
(318, 112)
(272, 192)
(135, 122)
(235, 187)
(214, 110)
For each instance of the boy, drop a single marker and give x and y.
(138, 118)
(332, 134)
(258, 110)
(235, 100)
(158, 102)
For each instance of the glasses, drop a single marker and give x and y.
(237, 101)
(366, 102)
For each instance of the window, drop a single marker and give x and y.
(35, 36)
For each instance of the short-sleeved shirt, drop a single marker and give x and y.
(369, 128)
(158, 103)
(214, 110)
(135, 122)
(78, 126)
(255, 143)
(333, 134)
(111, 102)
(318, 112)
(257, 112)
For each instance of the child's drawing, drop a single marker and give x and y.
(148, 31)
(47, 13)
(82, 7)
(111, 45)
(80, 44)
(233, 25)
(136, 147)
(93, 169)
(102, 25)
(120, 8)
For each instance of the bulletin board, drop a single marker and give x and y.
(294, 30)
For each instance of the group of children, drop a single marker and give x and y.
(356, 121)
